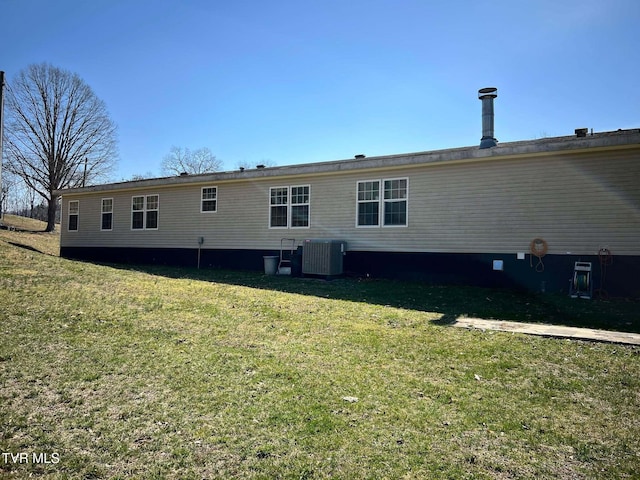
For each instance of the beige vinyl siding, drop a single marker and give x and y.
(576, 202)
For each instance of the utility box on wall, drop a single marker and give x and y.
(323, 257)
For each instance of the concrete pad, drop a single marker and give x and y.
(549, 330)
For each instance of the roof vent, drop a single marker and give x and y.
(183, 174)
(360, 156)
(581, 132)
(260, 166)
(487, 95)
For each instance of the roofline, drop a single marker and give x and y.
(620, 139)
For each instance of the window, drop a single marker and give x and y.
(153, 203)
(209, 199)
(300, 206)
(289, 207)
(74, 212)
(137, 213)
(144, 212)
(395, 202)
(106, 221)
(368, 203)
(279, 207)
(391, 205)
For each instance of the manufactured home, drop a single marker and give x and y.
(515, 215)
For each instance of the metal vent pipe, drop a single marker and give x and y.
(487, 95)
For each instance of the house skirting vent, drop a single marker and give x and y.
(323, 257)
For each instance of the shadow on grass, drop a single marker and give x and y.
(451, 301)
(446, 320)
(26, 247)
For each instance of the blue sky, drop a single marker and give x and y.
(305, 81)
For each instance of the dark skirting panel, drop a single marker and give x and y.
(177, 257)
(621, 278)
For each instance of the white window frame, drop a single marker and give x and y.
(145, 211)
(286, 205)
(358, 202)
(76, 214)
(215, 199)
(102, 213)
(300, 204)
(382, 201)
(289, 204)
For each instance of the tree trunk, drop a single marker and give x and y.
(51, 213)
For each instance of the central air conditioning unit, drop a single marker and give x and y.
(323, 257)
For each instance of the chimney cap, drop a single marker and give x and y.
(488, 92)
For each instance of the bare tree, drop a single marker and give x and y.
(265, 162)
(139, 176)
(182, 160)
(15, 193)
(58, 133)
(6, 192)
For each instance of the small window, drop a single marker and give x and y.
(144, 212)
(106, 221)
(209, 199)
(74, 213)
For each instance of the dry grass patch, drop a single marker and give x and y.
(36, 238)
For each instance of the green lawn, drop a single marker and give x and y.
(166, 373)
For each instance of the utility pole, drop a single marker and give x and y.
(1, 137)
